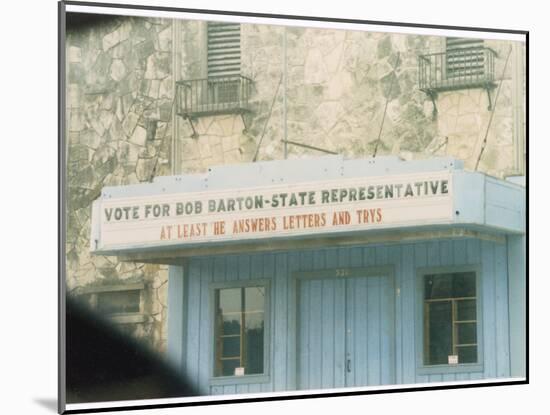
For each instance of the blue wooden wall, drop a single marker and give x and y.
(490, 257)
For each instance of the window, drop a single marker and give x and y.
(464, 63)
(222, 89)
(224, 61)
(120, 303)
(450, 318)
(465, 57)
(224, 49)
(239, 331)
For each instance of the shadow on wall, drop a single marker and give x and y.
(103, 364)
(83, 21)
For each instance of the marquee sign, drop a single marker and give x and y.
(286, 210)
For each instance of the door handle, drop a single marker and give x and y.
(348, 365)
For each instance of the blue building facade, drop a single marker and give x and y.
(438, 299)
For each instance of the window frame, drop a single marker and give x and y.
(251, 378)
(119, 318)
(421, 367)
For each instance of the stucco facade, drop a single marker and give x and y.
(354, 93)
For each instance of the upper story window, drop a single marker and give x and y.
(239, 331)
(465, 63)
(223, 49)
(450, 318)
(224, 89)
(464, 58)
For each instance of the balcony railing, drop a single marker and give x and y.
(457, 69)
(213, 95)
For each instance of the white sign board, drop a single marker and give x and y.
(453, 359)
(286, 210)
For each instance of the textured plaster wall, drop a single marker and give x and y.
(120, 101)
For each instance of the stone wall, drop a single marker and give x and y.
(119, 99)
(339, 86)
(222, 139)
(464, 116)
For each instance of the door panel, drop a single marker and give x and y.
(345, 332)
(321, 334)
(370, 331)
(387, 332)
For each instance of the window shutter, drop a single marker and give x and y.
(465, 57)
(224, 49)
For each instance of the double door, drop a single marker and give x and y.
(345, 331)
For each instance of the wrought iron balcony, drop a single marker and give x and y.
(457, 69)
(213, 95)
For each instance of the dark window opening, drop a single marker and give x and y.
(118, 302)
(450, 318)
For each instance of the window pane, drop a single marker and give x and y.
(115, 302)
(438, 286)
(231, 346)
(254, 298)
(467, 354)
(228, 322)
(254, 329)
(466, 310)
(228, 367)
(231, 324)
(460, 284)
(254, 320)
(439, 332)
(466, 333)
(254, 354)
(464, 284)
(229, 300)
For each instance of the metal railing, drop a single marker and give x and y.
(213, 95)
(457, 69)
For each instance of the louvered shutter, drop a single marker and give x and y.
(465, 57)
(224, 49)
